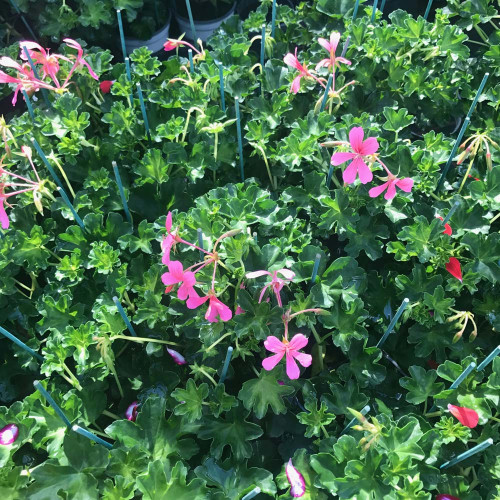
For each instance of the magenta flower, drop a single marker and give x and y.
(405, 184)
(215, 307)
(177, 357)
(296, 480)
(331, 47)
(291, 349)
(361, 149)
(48, 62)
(131, 411)
(239, 310)
(276, 283)
(80, 61)
(176, 275)
(9, 434)
(291, 60)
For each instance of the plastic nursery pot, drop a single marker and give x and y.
(155, 43)
(204, 28)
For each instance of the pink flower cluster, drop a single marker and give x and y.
(47, 66)
(185, 279)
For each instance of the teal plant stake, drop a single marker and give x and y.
(329, 176)
(124, 316)
(47, 163)
(23, 19)
(191, 63)
(428, 9)
(478, 94)
(393, 322)
(127, 70)
(363, 412)
(240, 141)
(256, 490)
(143, 111)
(254, 237)
(491, 356)
(273, 18)
(28, 104)
(39, 387)
(122, 36)
(22, 345)
(355, 12)
(200, 240)
(453, 153)
(346, 45)
(467, 454)
(263, 46)
(463, 376)
(315, 268)
(325, 96)
(45, 94)
(451, 212)
(121, 190)
(92, 437)
(77, 218)
(374, 10)
(221, 83)
(382, 5)
(191, 21)
(226, 364)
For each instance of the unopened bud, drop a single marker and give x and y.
(489, 163)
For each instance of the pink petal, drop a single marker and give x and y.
(4, 220)
(369, 146)
(349, 174)
(296, 84)
(291, 60)
(195, 301)
(364, 172)
(296, 480)
(131, 411)
(168, 279)
(289, 275)
(356, 139)
(405, 184)
(339, 158)
(334, 41)
(270, 362)
(257, 274)
(378, 190)
(273, 344)
(168, 222)
(9, 434)
(262, 293)
(454, 268)
(292, 370)
(178, 358)
(445, 496)
(304, 359)
(343, 60)
(224, 311)
(298, 342)
(325, 44)
(465, 416)
(239, 311)
(391, 190)
(175, 268)
(184, 291)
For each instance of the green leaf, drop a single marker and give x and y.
(439, 304)
(397, 120)
(344, 397)
(420, 385)
(315, 419)
(403, 440)
(141, 242)
(190, 400)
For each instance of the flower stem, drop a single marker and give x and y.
(63, 173)
(218, 340)
(208, 376)
(141, 340)
(111, 415)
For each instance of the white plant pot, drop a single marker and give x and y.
(203, 28)
(154, 44)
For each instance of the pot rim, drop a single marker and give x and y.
(229, 13)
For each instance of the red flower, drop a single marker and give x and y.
(454, 268)
(106, 86)
(447, 227)
(465, 416)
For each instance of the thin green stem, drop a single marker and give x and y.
(141, 340)
(218, 340)
(111, 415)
(75, 382)
(208, 376)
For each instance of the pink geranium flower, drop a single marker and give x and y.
(465, 416)
(131, 411)
(216, 309)
(446, 496)
(276, 283)
(175, 275)
(405, 184)
(292, 60)
(360, 150)
(454, 268)
(80, 61)
(331, 47)
(106, 85)
(48, 62)
(291, 350)
(296, 480)
(9, 434)
(177, 357)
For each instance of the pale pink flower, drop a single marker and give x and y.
(276, 283)
(405, 184)
(169, 241)
(331, 47)
(131, 411)
(177, 357)
(80, 61)
(176, 275)
(48, 62)
(9, 434)
(215, 307)
(296, 480)
(4, 219)
(360, 150)
(291, 350)
(291, 60)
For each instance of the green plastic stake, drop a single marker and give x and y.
(191, 21)
(273, 18)
(463, 376)
(263, 46)
(329, 176)
(47, 163)
(467, 454)
(315, 268)
(374, 10)
(325, 96)
(122, 36)
(28, 104)
(226, 364)
(45, 94)
(191, 63)
(21, 344)
(451, 212)
(491, 356)
(143, 111)
(382, 5)
(356, 5)
(92, 437)
(453, 153)
(240, 140)
(77, 218)
(393, 322)
(127, 70)
(221, 83)
(39, 387)
(363, 412)
(23, 19)
(122, 191)
(478, 94)
(252, 493)
(123, 314)
(428, 9)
